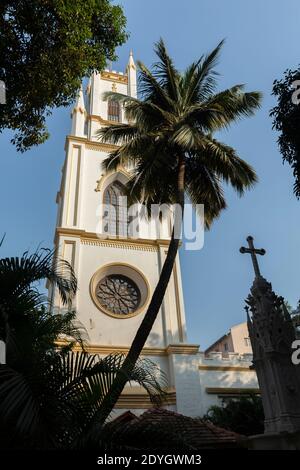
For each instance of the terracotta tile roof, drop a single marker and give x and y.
(173, 429)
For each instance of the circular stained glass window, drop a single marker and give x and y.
(118, 294)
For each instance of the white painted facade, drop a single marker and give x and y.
(222, 378)
(81, 240)
(235, 341)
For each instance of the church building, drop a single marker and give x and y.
(117, 273)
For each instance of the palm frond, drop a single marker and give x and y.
(127, 154)
(47, 328)
(199, 78)
(225, 162)
(165, 72)
(56, 400)
(233, 104)
(117, 134)
(204, 187)
(185, 137)
(118, 97)
(151, 90)
(148, 116)
(17, 275)
(153, 178)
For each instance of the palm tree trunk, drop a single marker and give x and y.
(146, 326)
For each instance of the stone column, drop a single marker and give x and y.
(272, 334)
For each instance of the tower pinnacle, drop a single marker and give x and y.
(131, 74)
(78, 115)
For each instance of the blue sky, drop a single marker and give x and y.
(261, 42)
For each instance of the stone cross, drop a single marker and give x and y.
(253, 252)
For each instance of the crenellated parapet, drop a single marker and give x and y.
(231, 358)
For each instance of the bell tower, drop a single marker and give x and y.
(116, 273)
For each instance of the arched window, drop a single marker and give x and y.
(113, 110)
(115, 210)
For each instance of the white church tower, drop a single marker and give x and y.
(117, 273)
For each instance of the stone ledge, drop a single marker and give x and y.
(137, 398)
(232, 391)
(225, 368)
(274, 441)
(191, 349)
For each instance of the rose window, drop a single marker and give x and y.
(118, 294)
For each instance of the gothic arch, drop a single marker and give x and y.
(121, 175)
(113, 110)
(115, 214)
(121, 178)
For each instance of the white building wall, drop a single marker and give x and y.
(221, 377)
(239, 335)
(186, 378)
(108, 330)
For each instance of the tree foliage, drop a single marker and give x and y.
(51, 397)
(286, 120)
(46, 48)
(244, 415)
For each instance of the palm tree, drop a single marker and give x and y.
(169, 142)
(50, 396)
(20, 300)
(52, 400)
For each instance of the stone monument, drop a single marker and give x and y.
(272, 334)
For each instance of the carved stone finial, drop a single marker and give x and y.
(272, 333)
